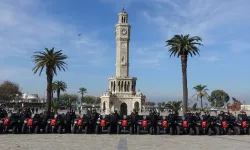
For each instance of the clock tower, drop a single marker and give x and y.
(121, 94)
(122, 33)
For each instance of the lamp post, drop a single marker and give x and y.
(215, 102)
(223, 99)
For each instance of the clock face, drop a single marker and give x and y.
(124, 32)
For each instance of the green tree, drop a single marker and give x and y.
(59, 86)
(184, 46)
(69, 99)
(55, 105)
(218, 98)
(159, 106)
(50, 60)
(174, 106)
(82, 91)
(194, 107)
(234, 101)
(98, 100)
(91, 99)
(201, 92)
(9, 91)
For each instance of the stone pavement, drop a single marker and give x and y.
(121, 142)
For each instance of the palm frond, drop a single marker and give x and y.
(183, 45)
(49, 59)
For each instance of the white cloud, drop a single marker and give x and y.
(211, 59)
(206, 18)
(150, 57)
(217, 22)
(25, 27)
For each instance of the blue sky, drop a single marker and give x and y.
(27, 26)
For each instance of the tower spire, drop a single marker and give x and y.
(123, 10)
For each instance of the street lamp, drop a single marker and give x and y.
(223, 99)
(215, 102)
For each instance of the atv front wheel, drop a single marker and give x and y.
(6, 129)
(236, 130)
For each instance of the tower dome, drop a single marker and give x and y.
(123, 16)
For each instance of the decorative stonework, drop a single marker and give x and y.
(122, 95)
(124, 61)
(124, 45)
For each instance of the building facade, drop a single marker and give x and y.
(122, 95)
(245, 107)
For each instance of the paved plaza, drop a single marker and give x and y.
(121, 142)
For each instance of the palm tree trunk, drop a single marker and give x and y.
(49, 90)
(184, 82)
(201, 104)
(58, 94)
(82, 97)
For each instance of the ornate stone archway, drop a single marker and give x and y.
(123, 109)
(137, 106)
(104, 106)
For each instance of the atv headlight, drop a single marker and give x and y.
(25, 121)
(1, 121)
(75, 121)
(48, 121)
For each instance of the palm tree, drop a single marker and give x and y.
(201, 92)
(51, 60)
(184, 46)
(82, 91)
(59, 86)
(55, 105)
(174, 106)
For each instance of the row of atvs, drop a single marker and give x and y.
(95, 123)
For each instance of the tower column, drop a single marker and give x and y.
(122, 46)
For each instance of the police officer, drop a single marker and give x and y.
(3, 113)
